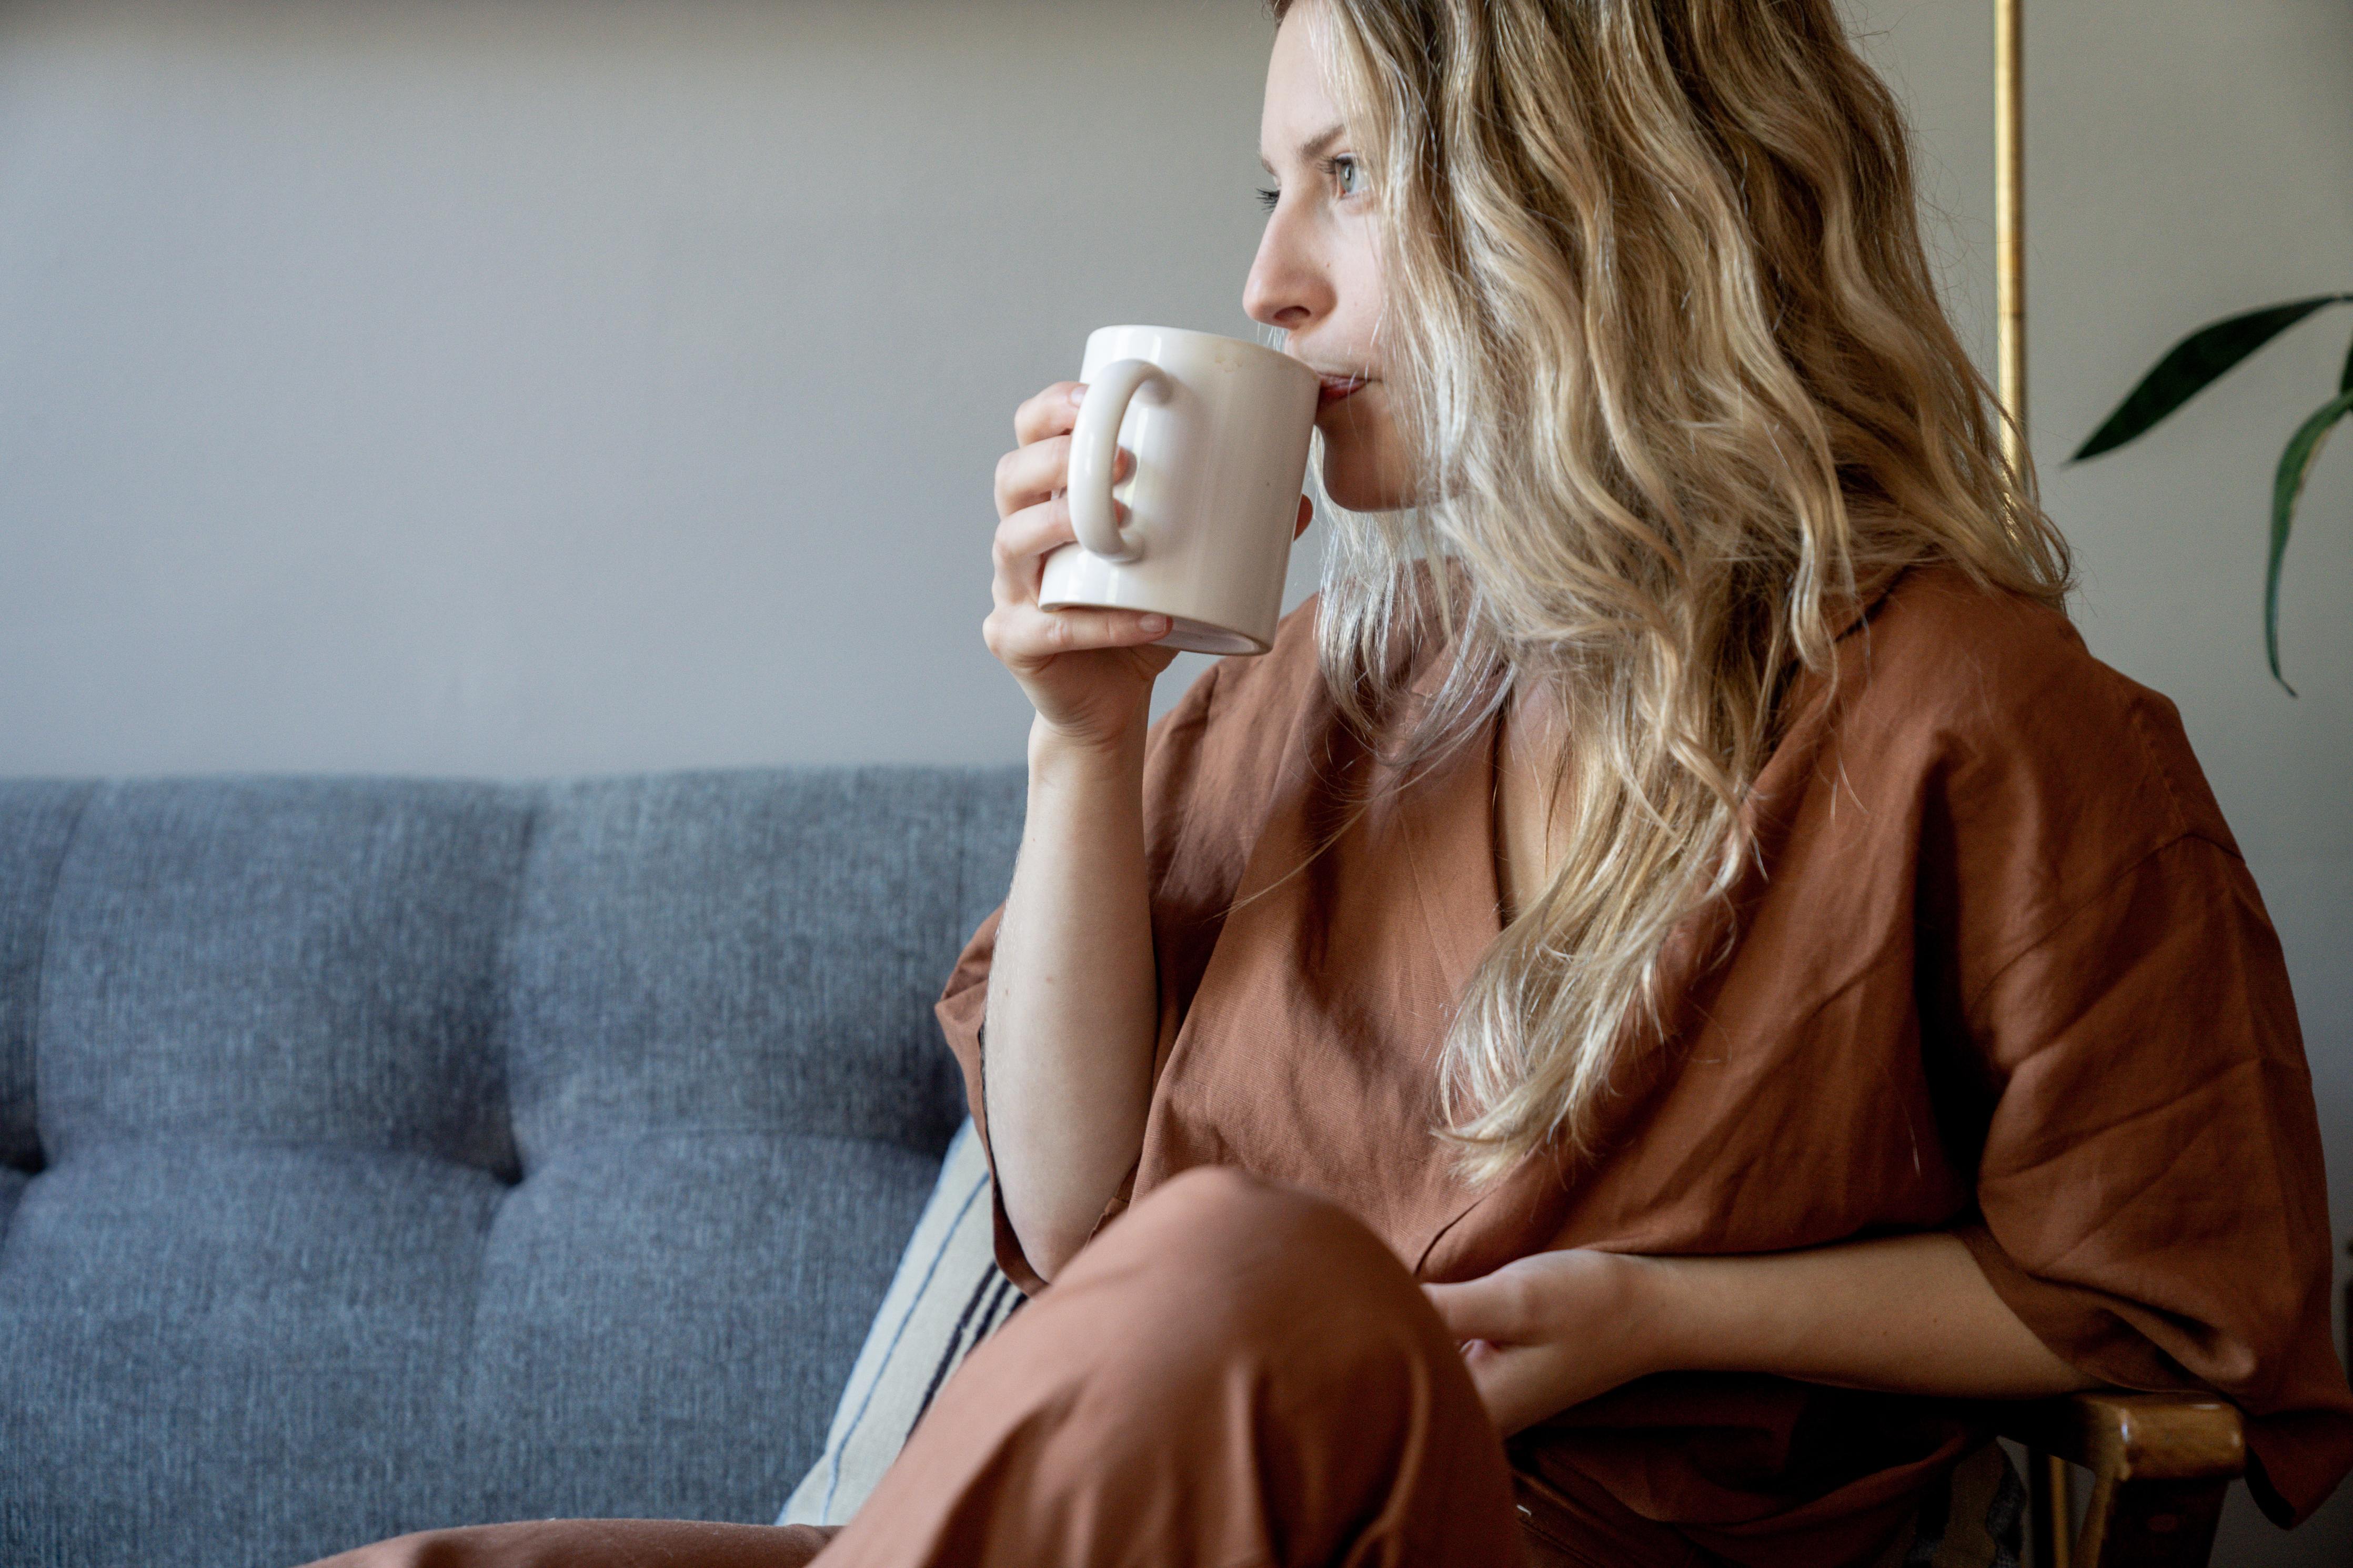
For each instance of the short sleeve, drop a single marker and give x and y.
(1192, 868)
(2150, 1183)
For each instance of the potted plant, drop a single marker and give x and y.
(2195, 362)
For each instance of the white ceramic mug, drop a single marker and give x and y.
(1219, 429)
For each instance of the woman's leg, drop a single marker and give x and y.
(1233, 1375)
(594, 1543)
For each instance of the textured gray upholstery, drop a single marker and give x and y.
(379, 1154)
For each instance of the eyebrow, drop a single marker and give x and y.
(1316, 146)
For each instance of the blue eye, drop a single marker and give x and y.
(1346, 172)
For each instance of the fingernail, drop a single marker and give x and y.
(1156, 624)
(1078, 394)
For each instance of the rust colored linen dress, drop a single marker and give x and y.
(1999, 969)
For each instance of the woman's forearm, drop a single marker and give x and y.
(1910, 1314)
(1074, 996)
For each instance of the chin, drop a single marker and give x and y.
(1356, 484)
(1364, 464)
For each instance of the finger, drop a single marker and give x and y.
(1031, 532)
(1040, 527)
(1023, 542)
(1492, 1308)
(1306, 516)
(1028, 474)
(1052, 413)
(1023, 633)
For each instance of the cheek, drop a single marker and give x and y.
(1358, 308)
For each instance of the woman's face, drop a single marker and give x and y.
(1318, 275)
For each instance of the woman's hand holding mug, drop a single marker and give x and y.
(1088, 671)
(1165, 489)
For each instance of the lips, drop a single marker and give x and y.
(1337, 387)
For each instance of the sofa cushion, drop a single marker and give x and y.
(281, 960)
(391, 1153)
(692, 954)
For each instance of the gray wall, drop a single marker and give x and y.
(532, 387)
(528, 387)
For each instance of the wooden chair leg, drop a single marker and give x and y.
(2050, 1511)
(2160, 1465)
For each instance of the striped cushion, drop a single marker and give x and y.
(947, 1296)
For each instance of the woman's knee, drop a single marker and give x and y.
(1225, 1338)
(1216, 1265)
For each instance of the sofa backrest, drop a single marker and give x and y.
(381, 1154)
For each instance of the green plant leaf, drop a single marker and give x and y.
(2193, 364)
(2287, 486)
(2344, 382)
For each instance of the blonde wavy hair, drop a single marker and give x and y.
(1659, 325)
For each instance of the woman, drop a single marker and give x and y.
(1678, 977)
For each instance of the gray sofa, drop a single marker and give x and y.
(379, 1154)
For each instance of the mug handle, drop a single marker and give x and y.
(1094, 446)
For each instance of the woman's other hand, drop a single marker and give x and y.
(1549, 1330)
(1089, 673)
(1903, 1314)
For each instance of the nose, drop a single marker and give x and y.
(1288, 285)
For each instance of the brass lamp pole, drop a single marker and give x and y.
(2010, 225)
